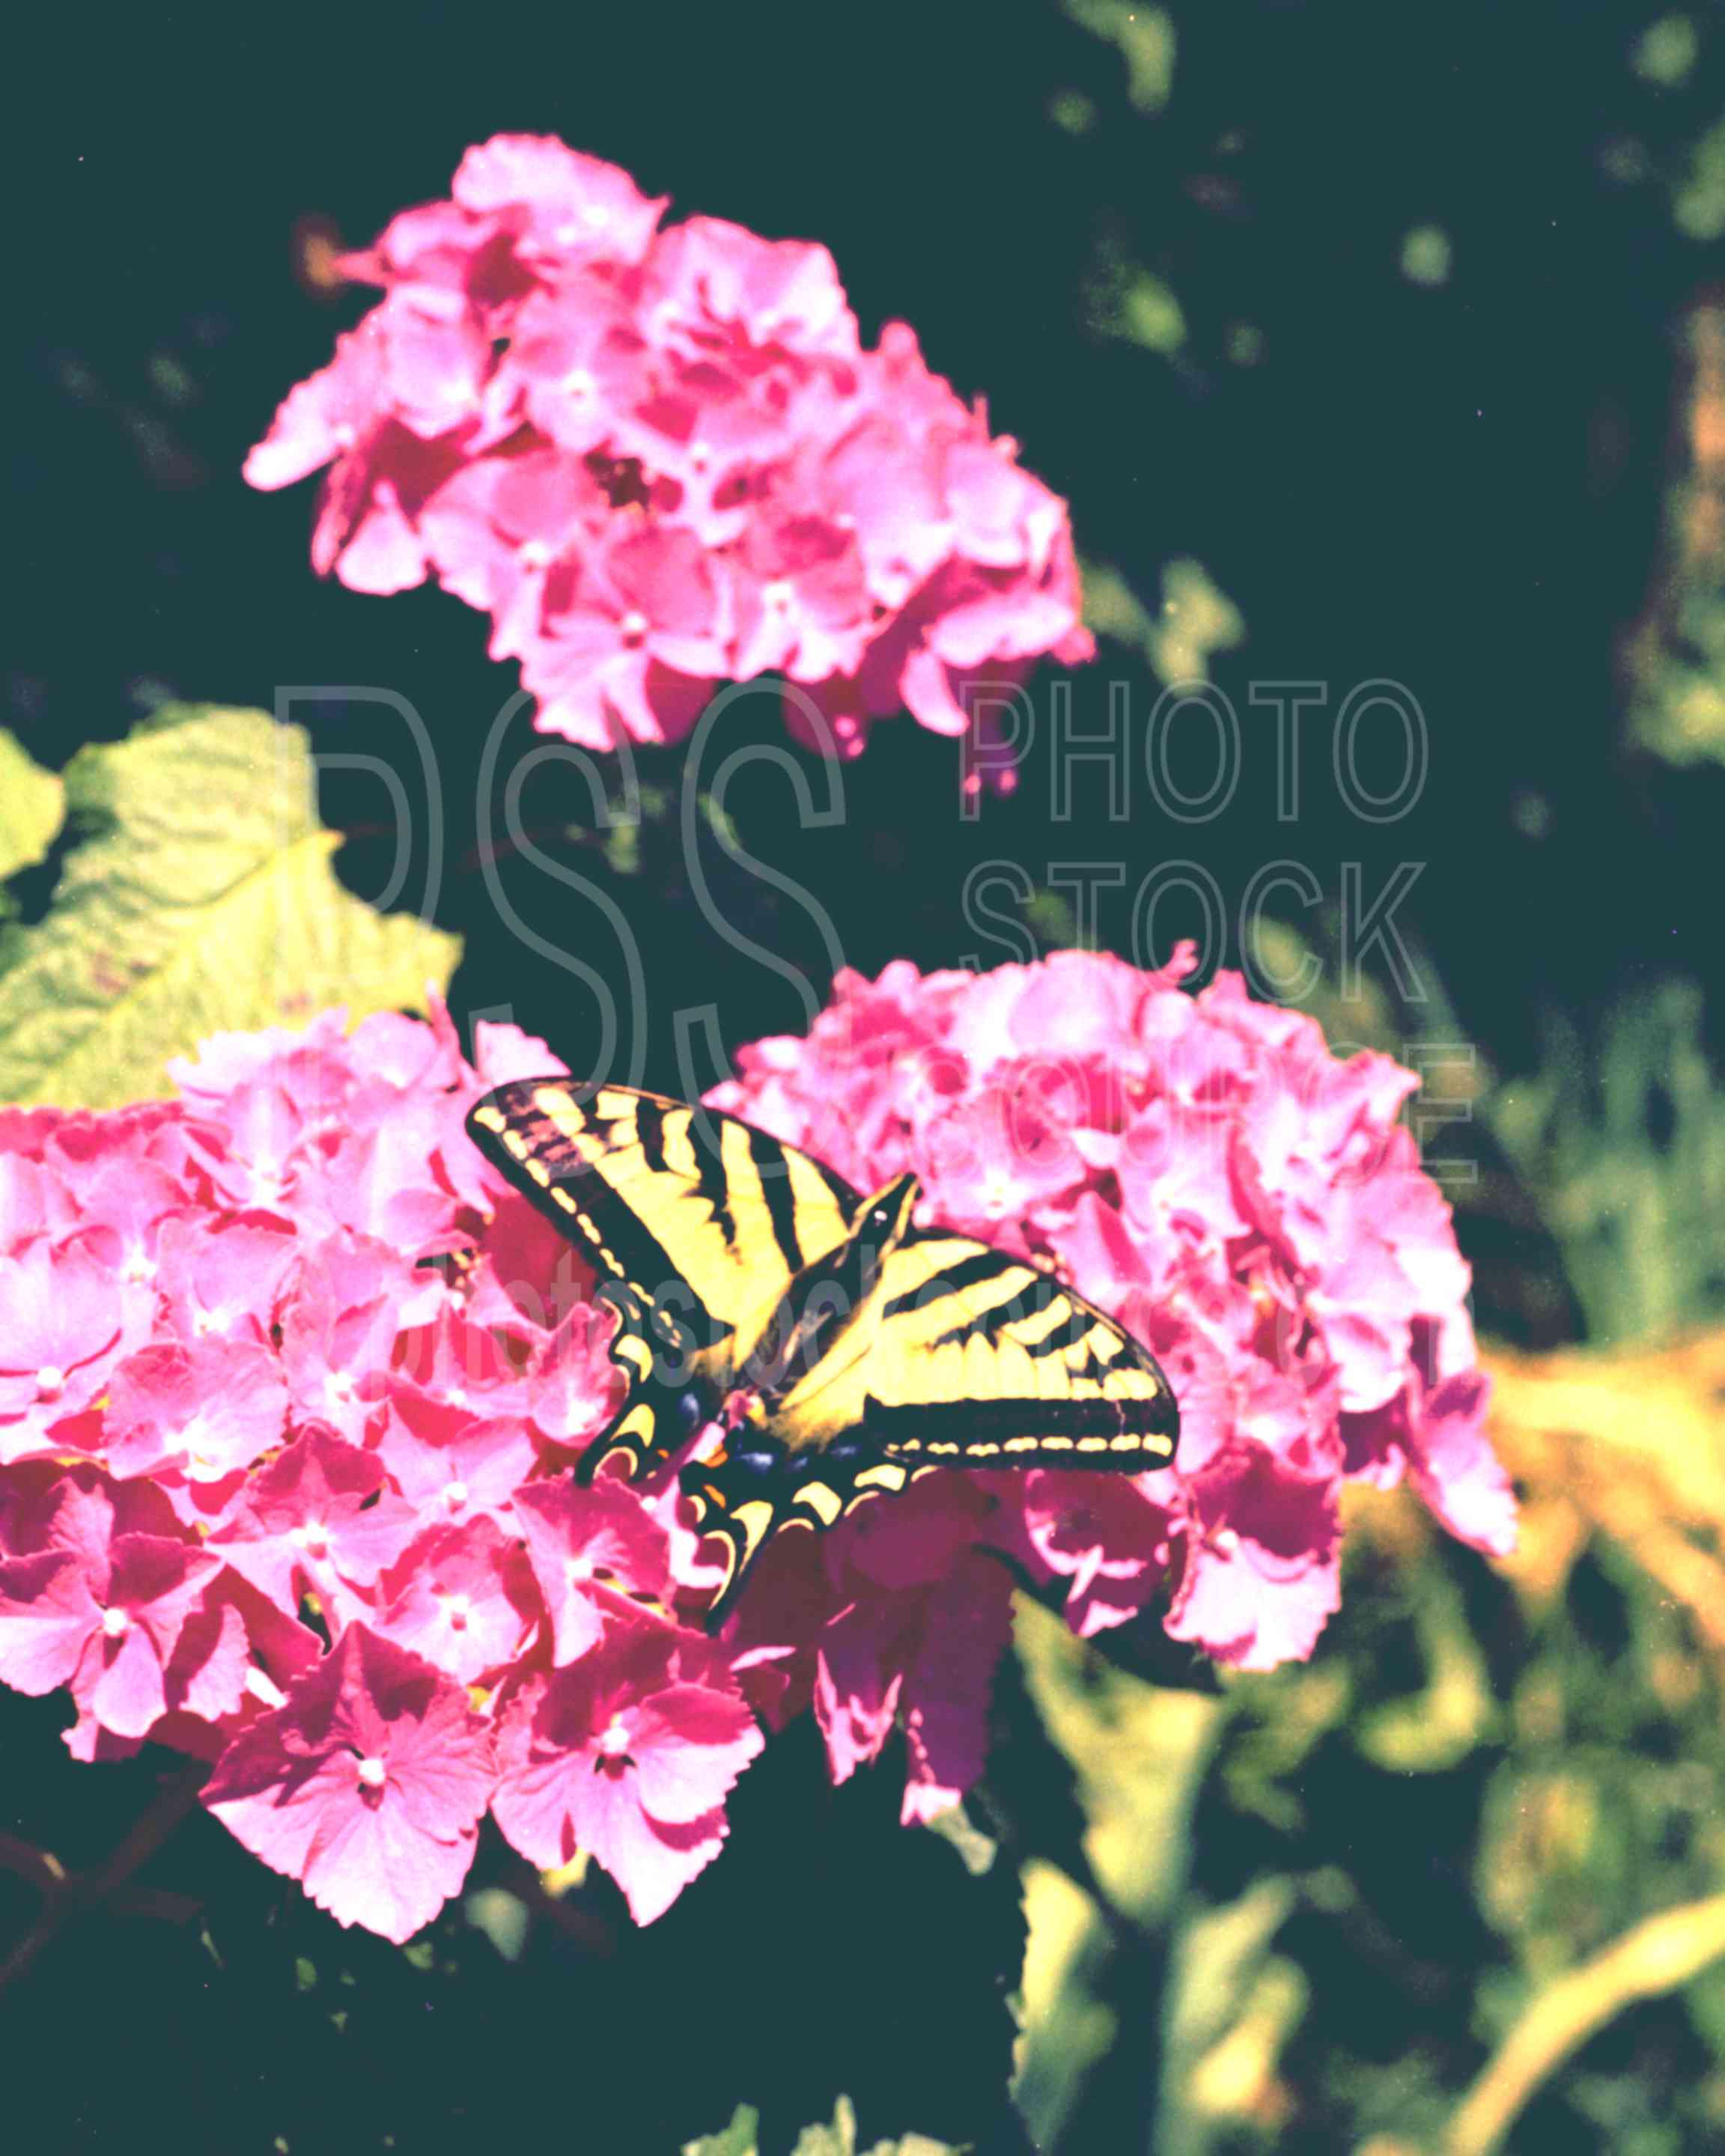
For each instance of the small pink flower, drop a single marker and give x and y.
(1105, 1534)
(629, 1754)
(1262, 1564)
(589, 1549)
(222, 1277)
(318, 1517)
(339, 1323)
(463, 1598)
(557, 201)
(64, 1321)
(208, 1410)
(366, 1786)
(103, 1619)
(452, 1465)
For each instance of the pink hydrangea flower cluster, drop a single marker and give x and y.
(278, 1492)
(660, 459)
(289, 1383)
(1244, 1201)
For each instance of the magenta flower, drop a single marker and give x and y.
(662, 460)
(1262, 1558)
(629, 1754)
(589, 1549)
(462, 1598)
(319, 1519)
(1103, 1535)
(98, 1607)
(367, 1786)
(208, 1410)
(449, 1466)
(64, 1321)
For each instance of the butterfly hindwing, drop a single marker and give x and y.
(744, 1508)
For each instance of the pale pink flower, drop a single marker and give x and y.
(366, 1786)
(627, 1754)
(589, 1549)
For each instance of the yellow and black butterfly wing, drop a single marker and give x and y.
(968, 1357)
(697, 1221)
(982, 1359)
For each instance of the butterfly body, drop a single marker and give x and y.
(842, 1349)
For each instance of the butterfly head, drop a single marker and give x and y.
(885, 1219)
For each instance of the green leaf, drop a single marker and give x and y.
(920, 2144)
(739, 2138)
(201, 898)
(31, 808)
(838, 2139)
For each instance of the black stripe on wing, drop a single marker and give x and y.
(969, 1272)
(1015, 1310)
(548, 1168)
(781, 1204)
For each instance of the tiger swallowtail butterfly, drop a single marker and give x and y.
(843, 1349)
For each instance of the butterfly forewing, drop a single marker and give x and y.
(696, 1222)
(699, 1213)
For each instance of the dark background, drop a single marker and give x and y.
(1464, 486)
(1457, 487)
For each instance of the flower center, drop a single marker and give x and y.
(455, 1497)
(613, 1738)
(50, 1381)
(116, 1623)
(311, 1536)
(997, 1190)
(779, 594)
(459, 1608)
(634, 626)
(578, 1571)
(372, 1773)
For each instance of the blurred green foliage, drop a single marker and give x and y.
(1311, 1911)
(741, 2138)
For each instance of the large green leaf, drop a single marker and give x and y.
(32, 805)
(201, 898)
